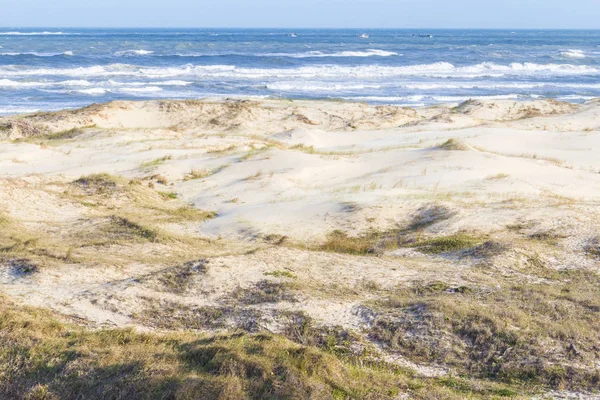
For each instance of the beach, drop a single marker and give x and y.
(457, 241)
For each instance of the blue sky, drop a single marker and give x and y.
(514, 14)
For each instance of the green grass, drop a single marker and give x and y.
(168, 195)
(156, 162)
(68, 134)
(447, 244)
(42, 358)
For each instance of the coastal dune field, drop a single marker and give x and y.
(235, 249)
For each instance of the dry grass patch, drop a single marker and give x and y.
(98, 184)
(43, 358)
(264, 292)
(530, 334)
(190, 213)
(497, 177)
(592, 249)
(339, 242)
(448, 244)
(68, 134)
(548, 237)
(156, 162)
(428, 216)
(454, 145)
(126, 229)
(197, 174)
(181, 278)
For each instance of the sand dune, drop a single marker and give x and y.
(319, 208)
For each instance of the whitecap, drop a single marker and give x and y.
(31, 33)
(140, 52)
(93, 91)
(220, 72)
(573, 54)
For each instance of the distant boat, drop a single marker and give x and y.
(363, 36)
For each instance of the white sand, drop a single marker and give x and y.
(360, 167)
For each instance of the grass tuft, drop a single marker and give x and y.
(454, 145)
(448, 244)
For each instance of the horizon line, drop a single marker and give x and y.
(292, 28)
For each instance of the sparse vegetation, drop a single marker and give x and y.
(592, 249)
(67, 134)
(304, 148)
(529, 334)
(421, 290)
(340, 242)
(447, 244)
(254, 177)
(155, 162)
(428, 216)
(549, 237)
(168, 195)
(280, 274)
(497, 177)
(60, 361)
(180, 278)
(190, 213)
(264, 292)
(98, 183)
(124, 228)
(197, 174)
(454, 145)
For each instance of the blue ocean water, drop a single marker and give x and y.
(48, 69)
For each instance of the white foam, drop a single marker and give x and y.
(93, 91)
(421, 98)
(440, 70)
(32, 33)
(221, 72)
(33, 84)
(319, 54)
(573, 54)
(134, 52)
(158, 83)
(98, 91)
(148, 89)
(318, 86)
(36, 54)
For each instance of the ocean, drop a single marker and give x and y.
(50, 69)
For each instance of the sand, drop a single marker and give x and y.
(296, 171)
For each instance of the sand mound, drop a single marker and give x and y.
(272, 117)
(266, 117)
(15, 129)
(512, 110)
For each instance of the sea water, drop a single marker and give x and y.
(50, 69)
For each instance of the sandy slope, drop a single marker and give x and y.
(301, 170)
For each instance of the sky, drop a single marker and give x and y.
(511, 14)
